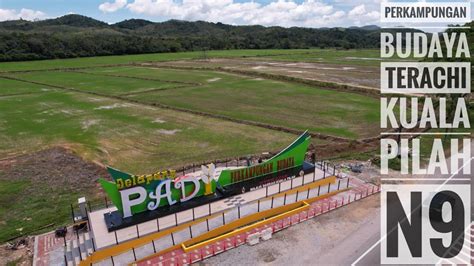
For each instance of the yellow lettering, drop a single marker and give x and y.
(149, 179)
(119, 183)
(173, 174)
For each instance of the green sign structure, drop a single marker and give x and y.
(135, 194)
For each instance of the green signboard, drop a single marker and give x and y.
(133, 194)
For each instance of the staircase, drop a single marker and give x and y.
(78, 248)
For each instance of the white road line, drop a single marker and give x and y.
(369, 250)
(385, 236)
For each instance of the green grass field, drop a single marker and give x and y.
(24, 209)
(245, 98)
(273, 102)
(129, 136)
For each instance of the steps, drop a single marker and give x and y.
(78, 248)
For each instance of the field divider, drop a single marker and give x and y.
(21, 94)
(135, 77)
(63, 68)
(152, 90)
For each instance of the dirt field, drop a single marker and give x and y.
(67, 168)
(356, 75)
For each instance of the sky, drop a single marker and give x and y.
(287, 13)
(308, 13)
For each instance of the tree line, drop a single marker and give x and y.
(79, 36)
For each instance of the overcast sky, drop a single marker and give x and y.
(306, 13)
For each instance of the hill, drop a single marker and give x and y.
(80, 36)
(132, 24)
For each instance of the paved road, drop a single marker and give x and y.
(369, 251)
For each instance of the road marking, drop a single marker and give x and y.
(385, 236)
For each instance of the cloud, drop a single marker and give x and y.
(358, 11)
(24, 13)
(287, 13)
(359, 15)
(109, 7)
